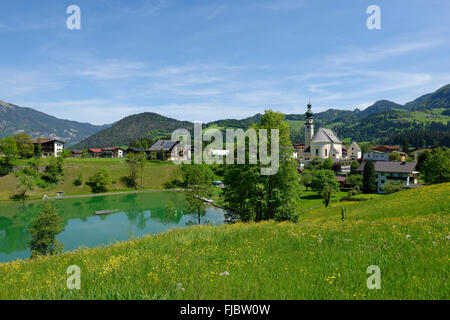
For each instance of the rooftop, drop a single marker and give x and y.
(392, 166)
(386, 148)
(325, 135)
(163, 145)
(43, 141)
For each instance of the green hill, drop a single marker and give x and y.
(131, 129)
(321, 257)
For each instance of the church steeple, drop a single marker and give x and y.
(309, 126)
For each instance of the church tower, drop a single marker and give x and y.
(309, 127)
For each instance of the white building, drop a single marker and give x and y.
(354, 151)
(50, 147)
(374, 155)
(324, 144)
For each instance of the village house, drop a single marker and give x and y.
(391, 171)
(166, 150)
(298, 152)
(95, 152)
(49, 147)
(382, 153)
(354, 151)
(77, 153)
(114, 152)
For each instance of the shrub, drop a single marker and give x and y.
(78, 180)
(392, 187)
(99, 181)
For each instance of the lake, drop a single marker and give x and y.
(134, 215)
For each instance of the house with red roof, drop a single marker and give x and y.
(95, 153)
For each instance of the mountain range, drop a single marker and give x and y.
(15, 119)
(378, 123)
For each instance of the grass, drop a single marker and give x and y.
(155, 174)
(320, 257)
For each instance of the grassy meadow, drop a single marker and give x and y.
(155, 174)
(321, 257)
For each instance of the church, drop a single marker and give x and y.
(324, 144)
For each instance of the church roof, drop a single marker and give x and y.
(325, 135)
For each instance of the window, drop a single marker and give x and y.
(326, 153)
(317, 152)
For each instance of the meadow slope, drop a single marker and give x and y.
(155, 175)
(320, 257)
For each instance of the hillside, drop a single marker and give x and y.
(321, 257)
(15, 119)
(155, 175)
(130, 129)
(438, 99)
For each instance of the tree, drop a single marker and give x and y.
(365, 147)
(353, 167)
(395, 156)
(327, 164)
(355, 180)
(66, 153)
(43, 230)
(99, 181)
(54, 170)
(325, 183)
(38, 149)
(326, 195)
(26, 183)
(369, 184)
(306, 179)
(8, 148)
(405, 146)
(131, 179)
(141, 158)
(197, 178)
(421, 159)
(250, 196)
(436, 168)
(25, 146)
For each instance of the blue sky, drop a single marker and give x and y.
(211, 59)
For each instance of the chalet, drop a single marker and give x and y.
(95, 153)
(77, 153)
(404, 172)
(114, 152)
(166, 150)
(49, 147)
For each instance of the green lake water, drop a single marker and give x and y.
(134, 215)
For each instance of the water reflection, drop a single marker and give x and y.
(136, 215)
